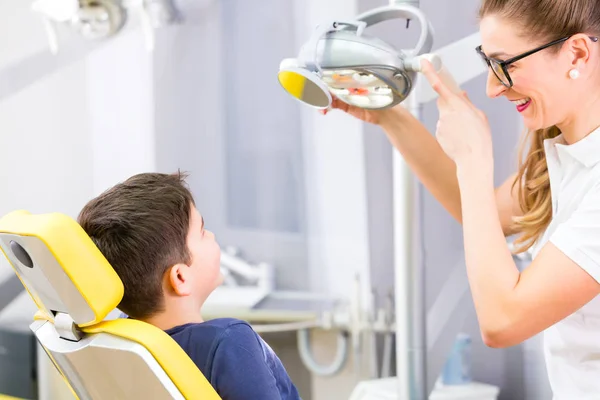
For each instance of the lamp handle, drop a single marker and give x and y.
(321, 31)
(401, 11)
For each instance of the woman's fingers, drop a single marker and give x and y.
(337, 103)
(446, 95)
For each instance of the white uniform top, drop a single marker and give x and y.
(572, 346)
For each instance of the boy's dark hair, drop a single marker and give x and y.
(141, 226)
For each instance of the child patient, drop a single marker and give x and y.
(148, 228)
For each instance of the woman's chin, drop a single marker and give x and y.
(533, 125)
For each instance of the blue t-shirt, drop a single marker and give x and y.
(235, 360)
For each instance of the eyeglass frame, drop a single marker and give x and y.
(504, 64)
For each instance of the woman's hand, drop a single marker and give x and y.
(376, 117)
(463, 131)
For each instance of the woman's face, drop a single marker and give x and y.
(542, 92)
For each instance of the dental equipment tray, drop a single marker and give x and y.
(276, 307)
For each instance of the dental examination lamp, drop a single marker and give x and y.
(102, 19)
(359, 69)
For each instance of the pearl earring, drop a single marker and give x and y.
(574, 73)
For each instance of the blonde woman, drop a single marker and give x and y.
(544, 56)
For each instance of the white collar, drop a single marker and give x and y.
(586, 151)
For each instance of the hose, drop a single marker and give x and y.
(306, 355)
(386, 363)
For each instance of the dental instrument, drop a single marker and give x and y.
(244, 284)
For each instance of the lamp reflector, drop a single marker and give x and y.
(305, 86)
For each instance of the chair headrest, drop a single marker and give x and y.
(60, 266)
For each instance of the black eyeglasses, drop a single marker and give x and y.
(500, 67)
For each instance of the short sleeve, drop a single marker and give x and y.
(578, 237)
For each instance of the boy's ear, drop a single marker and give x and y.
(179, 279)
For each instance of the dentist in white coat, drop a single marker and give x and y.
(544, 56)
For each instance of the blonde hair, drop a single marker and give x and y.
(542, 20)
(533, 190)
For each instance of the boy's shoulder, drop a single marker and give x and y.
(217, 326)
(212, 333)
(235, 360)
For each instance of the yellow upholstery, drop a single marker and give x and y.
(59, 249)
(178, 366)
(85, 266)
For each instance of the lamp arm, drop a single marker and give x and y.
(402, 11)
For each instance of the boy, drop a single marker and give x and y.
(148, 228)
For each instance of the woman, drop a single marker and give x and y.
(544, 57)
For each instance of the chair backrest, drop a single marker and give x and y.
(75, 288)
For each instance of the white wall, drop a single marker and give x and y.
(21, 32)
(120, 99)
(45, 152)
(77, 131)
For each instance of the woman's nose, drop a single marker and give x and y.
(494, 88)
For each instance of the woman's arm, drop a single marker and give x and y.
(424, 156)
(436, 170)
(512, 306)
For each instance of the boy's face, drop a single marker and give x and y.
(206, 256)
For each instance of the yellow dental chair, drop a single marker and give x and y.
(75, 288)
